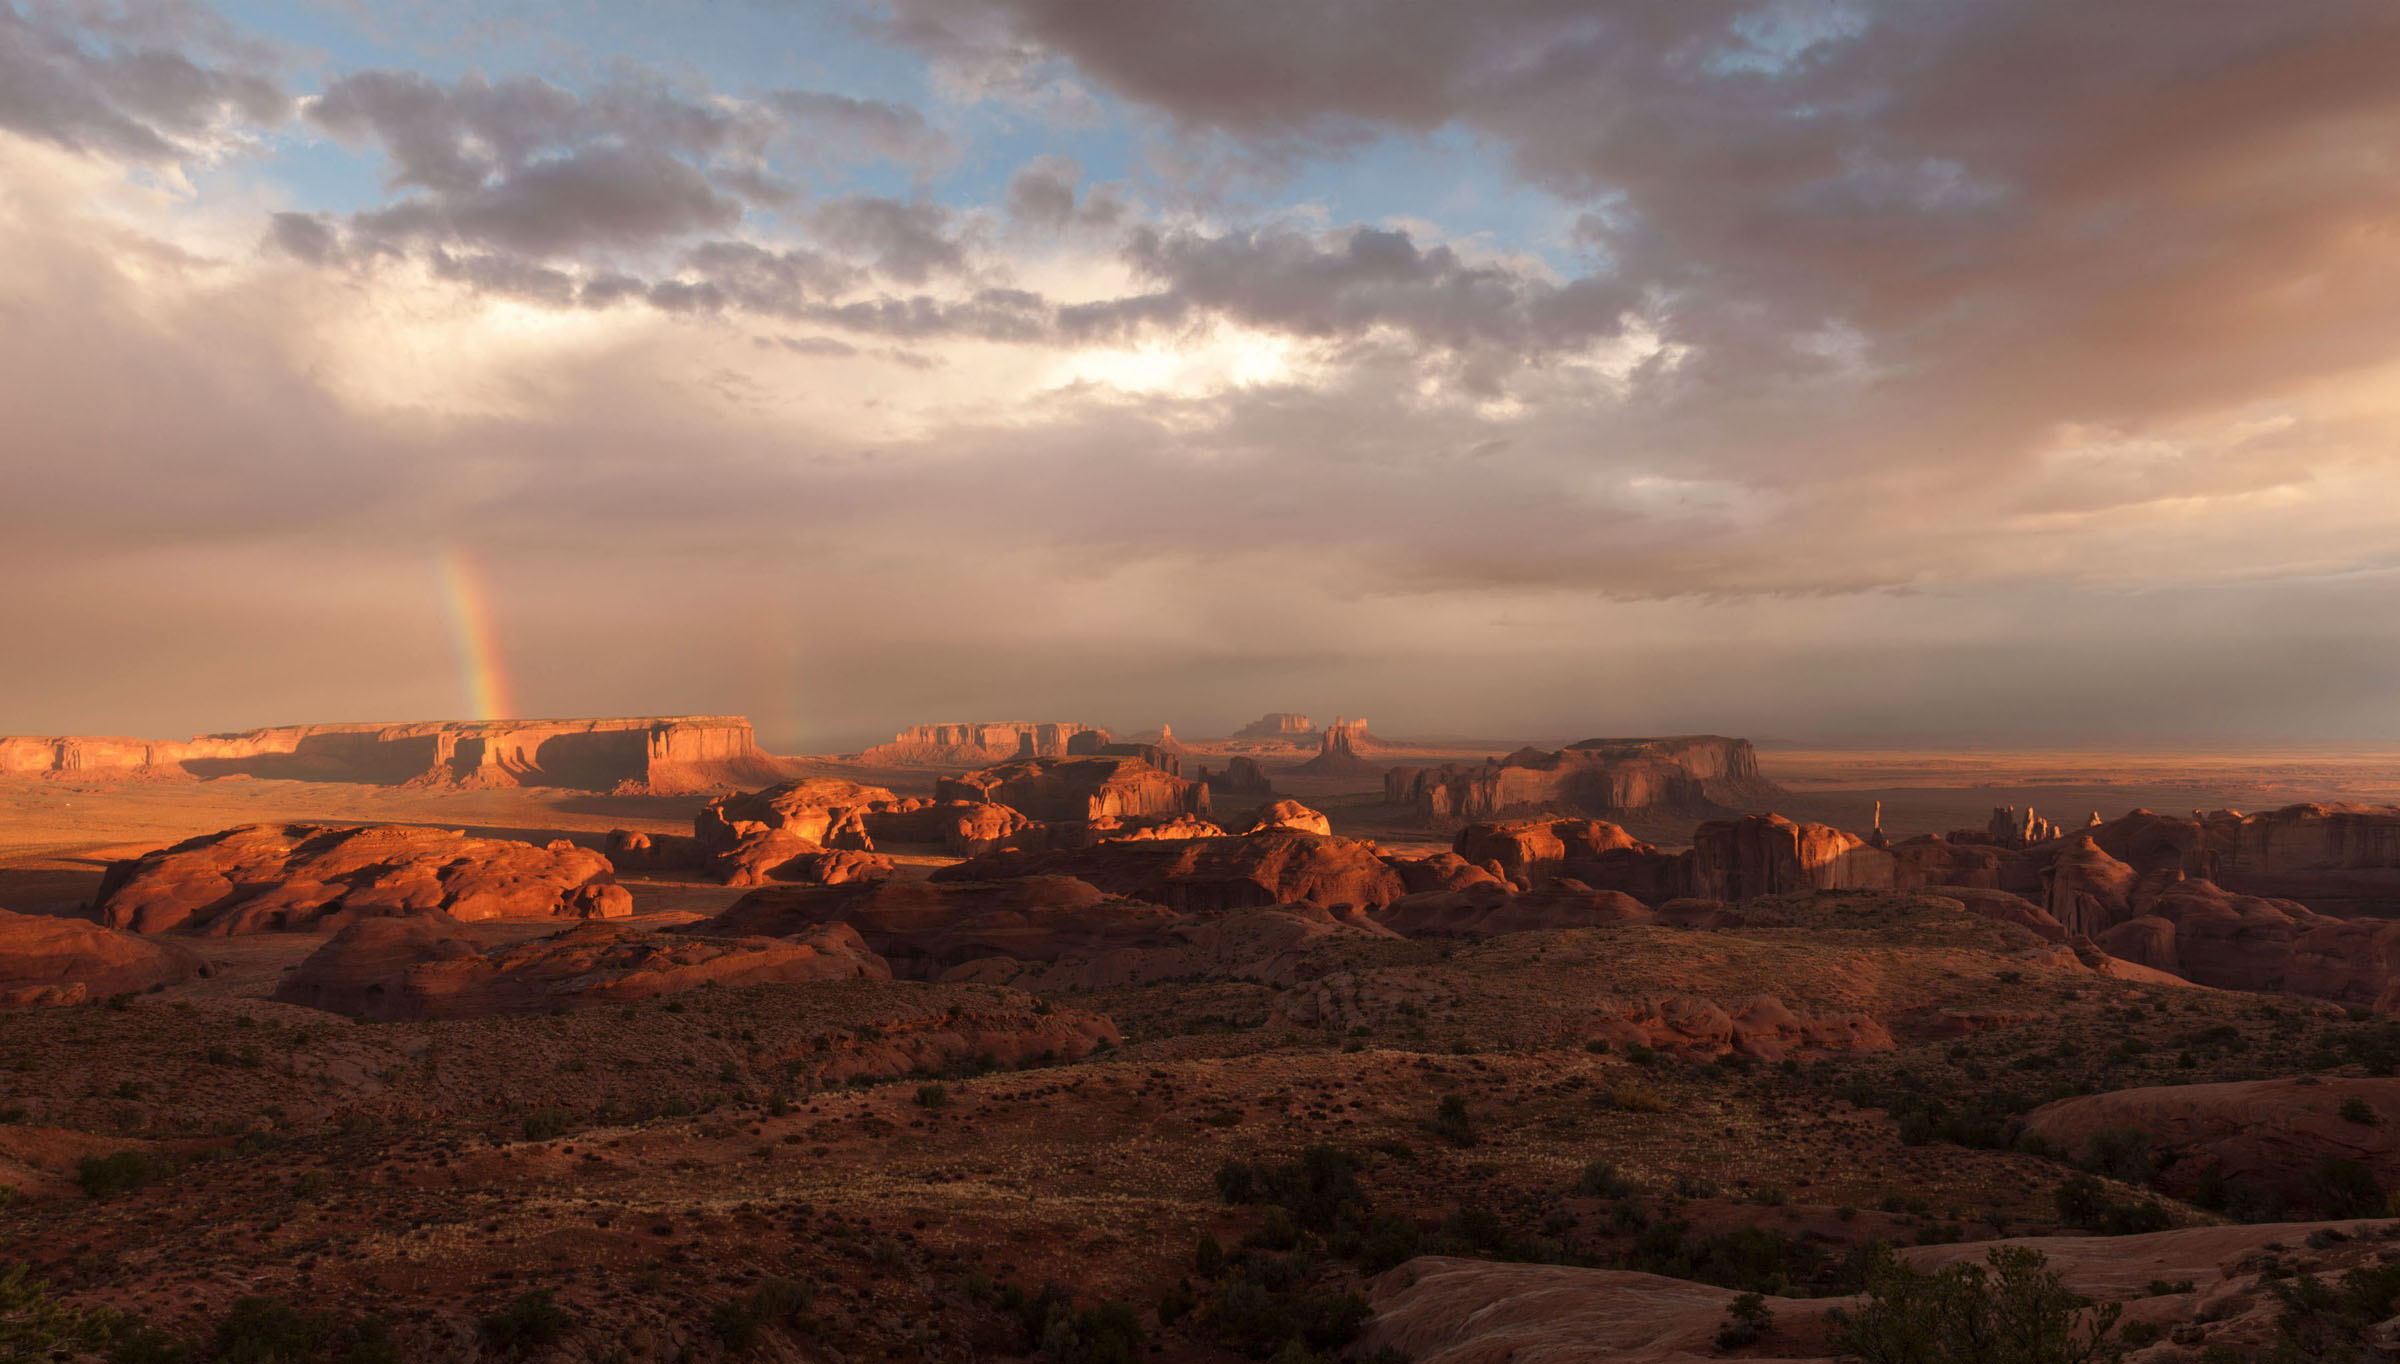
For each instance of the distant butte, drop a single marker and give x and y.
(659, 755)
(978, 743)
(1596, 776)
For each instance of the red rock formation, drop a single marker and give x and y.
(826, 811)
(2209, 935)
(1541, 848)
(1442, 871)
(1211, 875)
(1340, 752)
(1491, 908)
(2334, 858)
(1932, 860)
(1167, 760)
(2265, 1137)
(979, 827)
(1243, 779)
(2017, 829)
(2002, 907)
(977, 744)
(777, 855)
(1277, 725)
(431, 966)
(45, 961)
(1597, 776)
(1120, 831)
(1079, 790)
(664, 755)
(313, 877)
(1763, 1028)
(1288, 814)
(1770, 855)
(2087, 890)
(1437, 1310)
(924, 929)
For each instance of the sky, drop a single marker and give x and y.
(2013, 372)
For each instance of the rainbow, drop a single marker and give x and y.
(482, 678)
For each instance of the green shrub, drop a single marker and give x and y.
(1107, 1334)
(776, 1303)
(1746, 1320)
(933, 1096)
(1452, 1122)
(2359, 1111)
(1601, 1180)
(34, 1325)
(545, 1123)
(2345, 1188)
(530, 1321)
(2017, 1312)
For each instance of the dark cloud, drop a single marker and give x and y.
(909, 242)
(1045, 191)
(527, 167)
(1345, 283)
(2010, 214)
(148, 82)
(307, 237)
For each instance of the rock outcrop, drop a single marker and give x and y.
(1438, 1310)
(49, 961)
(2087, 890)
(1288, 814)
(1080, 789)
(1211, 875)
(1242, 780)
(1537, 849)
(826, 811)
(666, 755)
(1770, 855)
(2266, 1140)
(1597, 776)
(2211, 936)
(978, 744)
(1277, 725)
(2020, 828)
(431, 966)
(316, 877)
(1490, 908)
(924, 929)
(1341, 751)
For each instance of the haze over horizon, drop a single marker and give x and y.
(1851, 373)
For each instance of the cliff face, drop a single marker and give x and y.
(1079, 789)
(1277, 724)
(2340, 859)
(681, 753)
(1597, 776)
(978, 744)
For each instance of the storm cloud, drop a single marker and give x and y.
(2019, 355)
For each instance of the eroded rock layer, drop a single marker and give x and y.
(314, 877)
(663, 755)
(978, 743)
(1597, 776)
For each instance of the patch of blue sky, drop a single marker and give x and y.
(1455, 181)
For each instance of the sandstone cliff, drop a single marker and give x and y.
(1597, 776)
(978, 743)
(1079, 789)
(662, 755)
